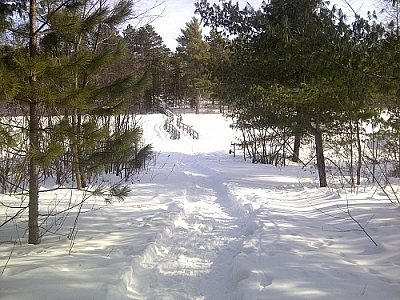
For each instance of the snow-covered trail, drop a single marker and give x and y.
(200, 224)
(191, 257)
(254, 232)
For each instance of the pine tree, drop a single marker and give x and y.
(219, 57)
(286, 68)
(148, 53)
(194, 54)
(58, 80)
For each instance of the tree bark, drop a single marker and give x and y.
(33, 227)
(351, 167)
(75, 151)
(197, 102)
(296, 148)
(319, 149)
(359, 150)
(33, 234)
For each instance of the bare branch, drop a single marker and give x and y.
(359, 225)
(15, 216)
(9, 257)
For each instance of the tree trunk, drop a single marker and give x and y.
(197, 102)
(351, 167)
(320, 158)
(33, 225)
(296, 148)
(33, 236)
(359, 150)
(75, 152)
(398, 158)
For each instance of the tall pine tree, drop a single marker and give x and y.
(194, 54)
(56, 79)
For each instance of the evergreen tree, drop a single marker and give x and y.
(219, 55)
(57, 80)
(276, 45)
(194, 54)
(148, 53)
(291, 63)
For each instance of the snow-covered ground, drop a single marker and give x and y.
(202, 224)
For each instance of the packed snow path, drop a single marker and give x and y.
(201, 224)
(235, 234)
(192, 257)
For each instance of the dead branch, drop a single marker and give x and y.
(359, 225)
(9, 257)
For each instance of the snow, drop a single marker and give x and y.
(202, 224)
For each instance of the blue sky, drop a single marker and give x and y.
(170, 16)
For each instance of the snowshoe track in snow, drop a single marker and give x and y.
(200, 224)
(233, 235)
(208, 218)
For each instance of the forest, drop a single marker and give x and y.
(74, 74)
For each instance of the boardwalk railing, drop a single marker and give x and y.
(175, 130)
(186, 128)
(170, 127)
